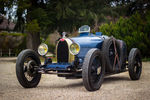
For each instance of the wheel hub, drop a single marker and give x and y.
(98, 70)
(137, 65)
(30, 68)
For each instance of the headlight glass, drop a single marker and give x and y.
(42, 49)
(74, 48)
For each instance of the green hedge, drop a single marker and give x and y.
(14, 41)
(135, 31)
(51, 47)
(5, 33)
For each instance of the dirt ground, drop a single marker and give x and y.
(51, 87)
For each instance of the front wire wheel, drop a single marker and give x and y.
(93, 70)
(26, 65)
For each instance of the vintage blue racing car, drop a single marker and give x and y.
(88, 56)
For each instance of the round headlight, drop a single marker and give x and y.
(74, 48)
(42, 49)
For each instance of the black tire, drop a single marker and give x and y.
(93, 70)
(123, 53)
(22, 70)
(135, 64)
(109, 55)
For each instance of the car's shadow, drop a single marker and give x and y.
(107, 80)
(71, 85)
(113, 79)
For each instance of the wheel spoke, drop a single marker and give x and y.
(111, 54)
(25, 68)
(95, 70)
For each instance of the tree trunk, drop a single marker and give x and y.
(33, 41)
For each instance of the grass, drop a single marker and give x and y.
(145, 59)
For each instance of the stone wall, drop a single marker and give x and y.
(12, 40)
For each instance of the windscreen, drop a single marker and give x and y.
(84, 28)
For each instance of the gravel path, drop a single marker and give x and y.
(51, 87)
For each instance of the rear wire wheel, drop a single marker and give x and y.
(112, 57)
(93, 70)
(123, 53)
(135, 64)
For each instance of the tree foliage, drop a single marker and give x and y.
(62, 15)
(68, 15)
(5, 5)
(134, 31)
(33, 27)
